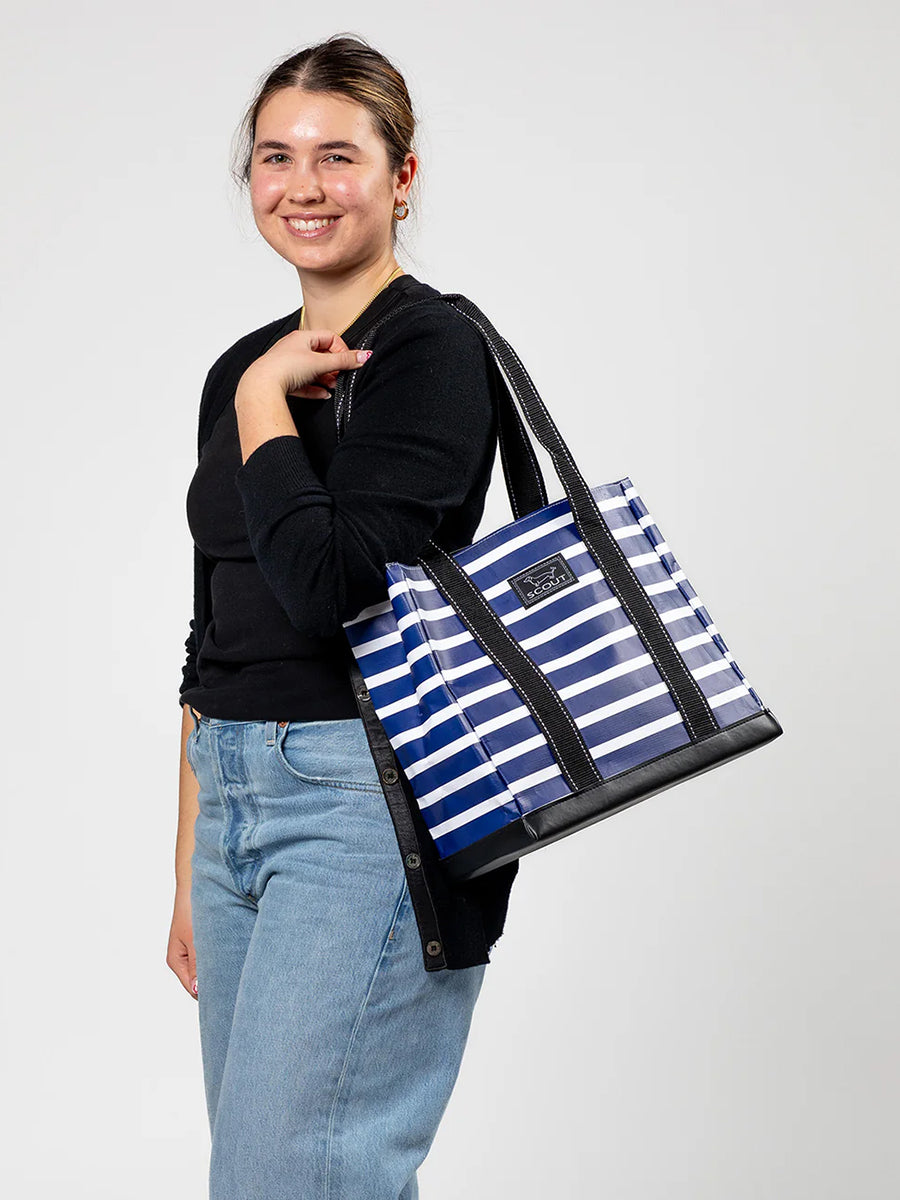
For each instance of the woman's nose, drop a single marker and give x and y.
(306, 188)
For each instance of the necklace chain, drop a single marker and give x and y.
(396, 271)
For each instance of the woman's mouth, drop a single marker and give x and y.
(310, 229)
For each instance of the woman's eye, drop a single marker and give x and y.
(272, 157)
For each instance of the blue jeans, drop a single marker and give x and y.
(329, 1052)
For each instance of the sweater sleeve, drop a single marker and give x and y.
(189, 674)
(189, 677)
(420, 433)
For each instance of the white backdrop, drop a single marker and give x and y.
(684, 217)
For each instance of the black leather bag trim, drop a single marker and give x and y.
(572, 813)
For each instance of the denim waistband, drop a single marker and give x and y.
(227, 721)
(205, 719)
(270, 727)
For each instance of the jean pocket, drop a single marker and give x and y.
(328, 753)
(190, 747)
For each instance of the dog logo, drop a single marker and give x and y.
(545, 578)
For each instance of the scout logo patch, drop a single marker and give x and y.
(545, 578)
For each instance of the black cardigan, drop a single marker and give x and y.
(416, 463)
(298, 535)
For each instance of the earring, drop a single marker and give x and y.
(401, 210)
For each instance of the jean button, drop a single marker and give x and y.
(282, 724)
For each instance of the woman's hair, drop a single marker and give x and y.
(347, 66)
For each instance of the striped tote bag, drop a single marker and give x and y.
(553, 672)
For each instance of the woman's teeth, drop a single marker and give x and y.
(305, 226)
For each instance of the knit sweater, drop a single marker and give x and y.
(294, 541)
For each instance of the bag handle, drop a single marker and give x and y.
(574, 757)
(521, 471)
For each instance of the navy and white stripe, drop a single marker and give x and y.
(474, 755)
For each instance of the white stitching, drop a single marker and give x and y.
(565, 450)
(512, 495)
(363, 343)
(529, 661)
(593, 505)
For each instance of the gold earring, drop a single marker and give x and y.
(401, 211)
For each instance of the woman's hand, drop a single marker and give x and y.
(180, 956)
(305, 362)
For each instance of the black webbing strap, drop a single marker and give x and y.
(595, 533)
(556, 723)
(521, 470)
(526, 492)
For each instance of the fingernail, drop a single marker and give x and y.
(194, 987)
(363, 355)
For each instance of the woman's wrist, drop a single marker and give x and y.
(257, 387)
(262, 412)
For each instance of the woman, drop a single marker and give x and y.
(336, 969)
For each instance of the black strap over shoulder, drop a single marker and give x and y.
(526, 491)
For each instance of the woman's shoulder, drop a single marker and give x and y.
(423, 316)
(427, 359)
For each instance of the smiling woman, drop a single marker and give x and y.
(335, 965)
(318, 156)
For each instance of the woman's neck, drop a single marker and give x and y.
(334, 301)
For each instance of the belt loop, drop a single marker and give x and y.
(195, 718)
(270, 732)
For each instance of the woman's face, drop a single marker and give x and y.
(298, 171)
